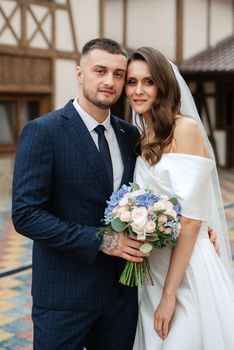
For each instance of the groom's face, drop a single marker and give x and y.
(101, 77)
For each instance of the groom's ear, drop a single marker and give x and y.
(79, 74)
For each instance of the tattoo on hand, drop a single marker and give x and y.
(109, 242)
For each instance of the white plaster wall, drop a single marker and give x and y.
(152, 23)
(66, 86)
(220, 139)
(63, 36)
(194, 27)
(86, 20)
(113, 20)
(221, 20)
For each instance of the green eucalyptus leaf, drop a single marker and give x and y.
(152, 239)
(134, 186)
(173, 200)
(146, 248)
(170, 217)
(160, 211)
(118, 225)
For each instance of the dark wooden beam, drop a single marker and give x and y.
(101, 18)
(208, 23)
(125, 8)
(232, 16)
(179, 30)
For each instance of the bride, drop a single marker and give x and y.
(191, 304)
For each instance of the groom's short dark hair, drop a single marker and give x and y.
(104, 44)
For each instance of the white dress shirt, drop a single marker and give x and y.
(91, 124)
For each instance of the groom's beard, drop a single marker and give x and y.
(98, 98)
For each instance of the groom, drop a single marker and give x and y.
(61, 184)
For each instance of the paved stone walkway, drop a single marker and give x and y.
(15, 256)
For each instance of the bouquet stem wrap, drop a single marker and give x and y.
(136, 274)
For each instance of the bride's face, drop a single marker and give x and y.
(140, 88)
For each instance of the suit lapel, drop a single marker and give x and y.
(81, 137)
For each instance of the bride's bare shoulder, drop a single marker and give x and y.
(188, 138)
(185, 125)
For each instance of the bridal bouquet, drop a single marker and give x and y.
(146, 216)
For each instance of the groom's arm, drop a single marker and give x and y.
(32, 187)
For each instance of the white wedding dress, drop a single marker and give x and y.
(204, 314)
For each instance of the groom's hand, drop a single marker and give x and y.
(123, 246)
(213, 239)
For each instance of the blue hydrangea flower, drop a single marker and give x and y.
(177, 208)
(113, 202)
(146, 200)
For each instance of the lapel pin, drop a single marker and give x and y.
(122, 131)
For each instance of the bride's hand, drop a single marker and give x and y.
(163, 315)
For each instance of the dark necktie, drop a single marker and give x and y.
(105, 151)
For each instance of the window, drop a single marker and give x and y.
(15, 112)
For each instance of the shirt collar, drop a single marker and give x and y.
(89, 121)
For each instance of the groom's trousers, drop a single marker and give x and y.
(110, 328)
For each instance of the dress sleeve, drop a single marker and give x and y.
(191, 182)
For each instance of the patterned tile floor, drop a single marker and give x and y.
(15, 250)
(15, 253)
(15, 308)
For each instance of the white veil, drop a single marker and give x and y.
(218, 223)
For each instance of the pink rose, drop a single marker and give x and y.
(121, 210)
(125, 216)
(161, 228)
(168, 231)
(150, 226)
(162, 219)
(115, 211)
(123, 202)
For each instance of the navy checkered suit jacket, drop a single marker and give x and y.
(60, 189)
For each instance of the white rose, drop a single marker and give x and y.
(138, 228)
(139, 231)
(139, 215)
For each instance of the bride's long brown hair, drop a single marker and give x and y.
(165, 107)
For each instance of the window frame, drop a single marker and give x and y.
(19, 99)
